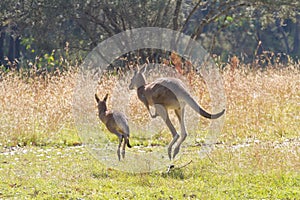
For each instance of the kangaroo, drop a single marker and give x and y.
(115, 122)
(168, 94)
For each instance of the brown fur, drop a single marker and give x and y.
(168, 94)
(115, 122)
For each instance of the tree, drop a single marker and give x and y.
(224, 27)
(296, 48)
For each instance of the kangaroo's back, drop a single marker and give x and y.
(171, 92)
(158, 93)
(166, 91)
(121, 122)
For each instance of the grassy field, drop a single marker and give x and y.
(257, 155)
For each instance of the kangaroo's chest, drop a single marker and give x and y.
(144, 96)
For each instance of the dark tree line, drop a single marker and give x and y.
(31, 29)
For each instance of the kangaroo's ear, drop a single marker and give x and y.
(97, 99)
(105, 98)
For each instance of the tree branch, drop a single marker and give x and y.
(176, 14)
(190, 15)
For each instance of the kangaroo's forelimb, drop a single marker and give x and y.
(142, 98)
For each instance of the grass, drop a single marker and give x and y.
(257, 157)
(36, 110)
(33, 172)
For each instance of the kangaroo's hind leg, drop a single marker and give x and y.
(119, 146)
(161, 111)
(180, 115)
(123, 147)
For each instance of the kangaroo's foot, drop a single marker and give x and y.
(170, 167)
(177, 147)
(176, 151)
(175, 138)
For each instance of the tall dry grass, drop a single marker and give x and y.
(35, 109)
(261, 105)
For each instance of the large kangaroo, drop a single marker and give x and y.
(166, 94)
(115, 122)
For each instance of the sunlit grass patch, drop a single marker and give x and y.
(258, 170)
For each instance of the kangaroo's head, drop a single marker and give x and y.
(102, 108)
(138, 78)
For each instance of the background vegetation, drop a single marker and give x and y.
(42, 30)
(255, 45)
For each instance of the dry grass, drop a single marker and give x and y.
(35, 110)
(260, 106)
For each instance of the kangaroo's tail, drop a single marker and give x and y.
(178, 88)
(127, 141)
(195, 106)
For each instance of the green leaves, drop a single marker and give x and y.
(229, 19)
(48, 25)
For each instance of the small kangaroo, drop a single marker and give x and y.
(168, 94)
(115, 122)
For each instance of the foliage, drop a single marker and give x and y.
(234, 27)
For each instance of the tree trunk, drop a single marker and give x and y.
(2, 36)
(14, 48)
(176, 14)
(296, 49)
(175, 24)
(284, 36)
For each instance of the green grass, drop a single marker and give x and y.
(71, 172)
